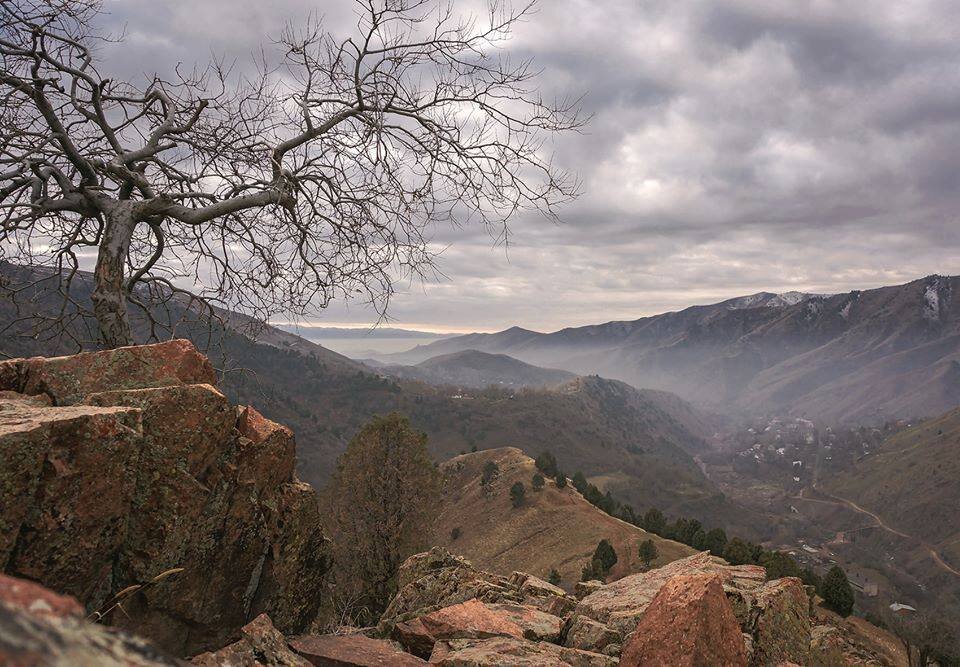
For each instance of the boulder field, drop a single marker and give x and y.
(451, 614)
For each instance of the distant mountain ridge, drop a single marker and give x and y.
(859, 356)
(473, 369)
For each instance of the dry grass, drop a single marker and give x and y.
(554, 528)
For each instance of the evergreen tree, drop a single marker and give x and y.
(654, 522)
(561, 480)
(716, 541)
(738, 552)
(546, 463)
(517, 494)
(384, 495)
(605, 555)
(579, 482)
(836, 591)
(779, 565)
(554, 577)
(537, 481)
(648, 553)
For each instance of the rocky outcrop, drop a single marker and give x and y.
(260, 644)
(39, 627)
(689, 622)
(779, 623)
(622, 603)
(585, 633)
(468, 620)
(131, 464)
(436, 579)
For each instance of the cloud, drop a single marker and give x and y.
(735, 146)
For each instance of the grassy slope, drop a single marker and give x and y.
(912, 483)
(554, 528)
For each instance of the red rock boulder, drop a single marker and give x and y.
(690, 622)
(352, 651)
(66, 380)
(468, 620)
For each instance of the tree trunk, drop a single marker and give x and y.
(109, 295)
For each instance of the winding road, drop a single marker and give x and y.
(845, 502)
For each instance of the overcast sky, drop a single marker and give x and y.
(736, 146)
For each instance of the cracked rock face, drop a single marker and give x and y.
(118, 466)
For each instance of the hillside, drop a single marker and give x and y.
(910, 481)
(554, 528)
(862, 356)
(476, 370)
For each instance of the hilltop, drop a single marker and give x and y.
(554, 528)
(862, 356)
(476, 370)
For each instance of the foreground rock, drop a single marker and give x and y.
(621, 604)
(689, 622)
(352, 651)
(133, 470)
(260, 644)
(437, 579)
(779, 623)
(39, 627)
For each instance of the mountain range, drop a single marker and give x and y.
(861, 356)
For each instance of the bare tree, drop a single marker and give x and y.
(275, 192)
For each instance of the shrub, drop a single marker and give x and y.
(554, 577)
(490, 471)
(537, 482)
(455, 533)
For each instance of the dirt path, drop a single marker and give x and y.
(845, 502)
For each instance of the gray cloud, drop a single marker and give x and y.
(736, 146)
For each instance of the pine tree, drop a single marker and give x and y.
(836, 591)
(561, 480)
(605, 555)
(383, 497)
(537, 482)
(517, 494)
(716, 541)
(546, 463)
(648, 553)
(579, 482)
(738, 552)
(654, 522)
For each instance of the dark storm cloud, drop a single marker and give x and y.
(735, 146)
